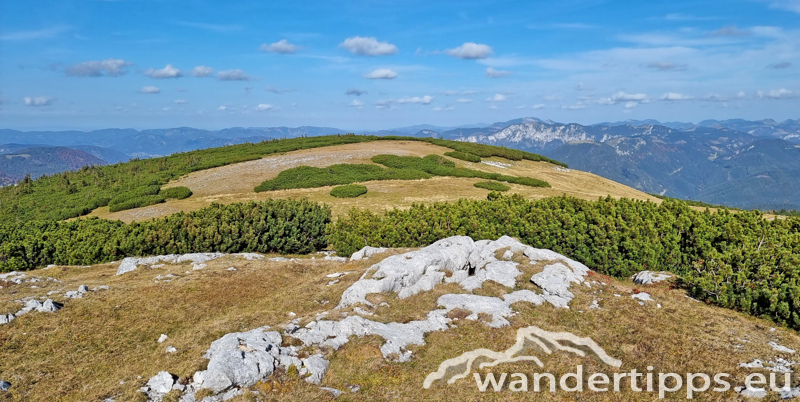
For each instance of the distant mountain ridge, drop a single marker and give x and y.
(38, 161)
(733, 162)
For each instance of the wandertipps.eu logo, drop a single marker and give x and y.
(534, 340)
(452, 370)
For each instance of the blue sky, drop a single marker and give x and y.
(357, 64)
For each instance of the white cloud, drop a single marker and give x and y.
(490, 72)
(180, 101)
(99, 68)
(622, 97)
(167, 72)
(166, 109)
(471, 50)
(222, 108)
(149, 90)
(496, 98)
(232, 75)
(521, 107)
(782, 93)
(35, 34)
(38, 100)
(577, 106)
(355, 92)
(356, 103)
(454, 93)
(368, 46)
(552, 98)
(443, 109)
(631, 105)
(264, 106)
(383, 104)
(538, 106)
(464, 100)
(674, 96)
(381, 74)
(425, 100)
(202, 71)
(790, 5)
(281, 47)
(493, 107)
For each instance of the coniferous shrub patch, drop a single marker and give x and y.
(310, 177)
(492, 186)
(349, 191)
(463, 156)
(177, 193)
(272, 226)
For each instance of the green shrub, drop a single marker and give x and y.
(143, 201)
(177, 193)
(492, 186)
(272, 226)
(349, 191)
(311, 177)
(740, 261)
(136, 193)
(463, 156)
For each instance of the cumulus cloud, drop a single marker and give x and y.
(381, 74)
(781, 93)
(368, 46)
(425, 100)
(538, 106)
(222, 108)
(356, 103)
(780, 65)
(38, 100)
(674, 96)
(355, 92)
(492, 73)
(232, 75)
(496, 98)
(202, 71)
(471, 50)
(99, 68)
(620, 97)
(665, 66)
(631, 105)
(167, 72)
(149, 90)
(281, 47)
(464, 100)
(264, 106)
(180, 101)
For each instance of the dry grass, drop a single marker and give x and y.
(82, 352)
(235, 183)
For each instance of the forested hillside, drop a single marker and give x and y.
(36, 162)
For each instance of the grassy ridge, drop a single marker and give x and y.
(71, 194)
(400, 168)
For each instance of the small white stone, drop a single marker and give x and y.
(162, 338)
(171, 349)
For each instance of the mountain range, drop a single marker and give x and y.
(739, 163)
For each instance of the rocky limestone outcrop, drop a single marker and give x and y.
(650, 277)
(129, 264)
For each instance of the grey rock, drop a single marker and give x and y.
(335, 258)
(161, 383)
(779, 348)
(83, 289)
(650, 277)
(315, 366)
(162, 338)
(171, 349)
(789, 393)
(367, 252)
(6, 318)
(30, 305)
(555, 281)
(49, 306)
(4, 386)
(336, 393)
(751, 392)
(492, 306)
(73, 294)
(642, 296)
